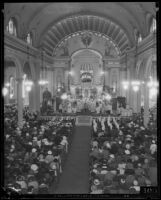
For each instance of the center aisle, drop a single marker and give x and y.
(75, 176)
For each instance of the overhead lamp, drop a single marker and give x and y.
(7, 84)
(108, 97)
(135, 82)
(125, 85)
(59, 89)
(153, 92)
(43, 82)
(135, 85)
(28, 83)
(5, 91)
(135, 88)
(102, 72)
(70, 72)
(152, 84)
(64, 96)
(11, 96)
(28, 88)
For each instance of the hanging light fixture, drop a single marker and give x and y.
(5, 91)
(125, 83)
(28, 83)
(43, 80)
(136, 83)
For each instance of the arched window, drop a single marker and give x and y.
(11, 27)
(153, 26)
(29, 38)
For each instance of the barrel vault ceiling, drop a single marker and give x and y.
(52, 22)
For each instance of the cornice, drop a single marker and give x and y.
(15, 44)
(146, 44)
(19, 45)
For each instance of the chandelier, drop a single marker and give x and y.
(86, 73)
(86, 77)
(43, 80)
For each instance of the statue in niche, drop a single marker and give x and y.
(86, 39)
(46, 95)
(109, 50)
(65, 50)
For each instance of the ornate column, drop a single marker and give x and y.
(139, 100)
(19, 101)
(146, 104)
(69, 69)
(135, 98)
(36, 88)
(122, 92)
(104, 70)
(31, 100)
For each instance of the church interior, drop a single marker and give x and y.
(80, 90)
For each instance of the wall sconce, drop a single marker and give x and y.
(5, 91)
(135, 85)
(125, 85)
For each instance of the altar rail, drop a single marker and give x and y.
(41, 117)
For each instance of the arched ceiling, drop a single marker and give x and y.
(119, 19)
(75, 24)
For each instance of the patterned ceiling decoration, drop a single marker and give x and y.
(92, 23)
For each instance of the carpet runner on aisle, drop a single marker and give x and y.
(75, 176)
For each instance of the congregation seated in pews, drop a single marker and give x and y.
(123, 155)
(35, 153)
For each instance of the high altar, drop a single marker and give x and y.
(87, 71)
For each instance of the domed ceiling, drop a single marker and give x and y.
(52, 22)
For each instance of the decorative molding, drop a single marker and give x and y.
(18, 45)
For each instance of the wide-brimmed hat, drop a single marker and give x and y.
(49, 152)
(34, 167)
(104, 166)
(122, 180)
(120, 133)
(96, 182)
(112, 156)
(139, 164)
(114, 172)
(95, 171)
(34, 150)
(127, 152)
(52, 165)
(104, 171)
(128, 136)
(34, 138)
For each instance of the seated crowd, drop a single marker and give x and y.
(34, 154)
(123, 155)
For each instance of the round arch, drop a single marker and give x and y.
(31, 68)
(89, 49)
(148, 22)
(17, 20)
(149, 65)
(17, 64)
